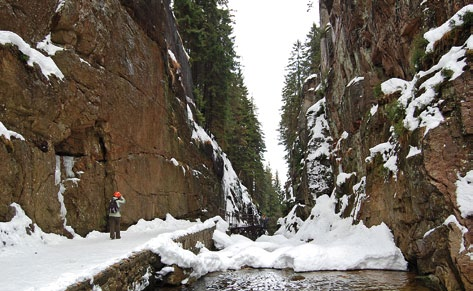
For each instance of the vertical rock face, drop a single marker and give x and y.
(389, 162)
(117, 120)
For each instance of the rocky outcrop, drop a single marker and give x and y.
(390, 164)
(117, 116)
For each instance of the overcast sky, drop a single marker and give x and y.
(265, 31)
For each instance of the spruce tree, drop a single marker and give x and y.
(292, 96)
(219, 91)
(312, 49)
(272, 202)
(304, 61)
(245, 143)
(206, 29)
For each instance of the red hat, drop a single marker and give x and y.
(117, 194)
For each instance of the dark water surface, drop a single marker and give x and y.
(287, 280)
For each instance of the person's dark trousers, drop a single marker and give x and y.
(114, 227)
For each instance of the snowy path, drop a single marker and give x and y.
(56, 262)
(40, 261)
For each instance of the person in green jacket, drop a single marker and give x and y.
(114, 214)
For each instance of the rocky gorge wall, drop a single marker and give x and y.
(384, 168)
(116, 117)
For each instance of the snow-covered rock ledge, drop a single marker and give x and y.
(145, 268)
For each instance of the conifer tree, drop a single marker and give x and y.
(312, 49)
(292, 96)
(221, 96)
(278, 187)
(206, 30)
(245, 144)
(304, 61)
(272, 202)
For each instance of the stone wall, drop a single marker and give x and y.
(118, 120)
(139, 270)
(377, 41)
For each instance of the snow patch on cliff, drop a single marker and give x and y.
(22, 232)
(342, 177)
(47, 46)
(388, 152)
(360, 195)
(355, 80)
(237, 197)
(422, 110)
(318, 153)
(413, 151)
(68, 163)
(60, 5)
(436, 34)
(465, 194)
(8, 134)
(46, 64)
(374, 109)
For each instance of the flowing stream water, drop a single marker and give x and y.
(288, 280)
